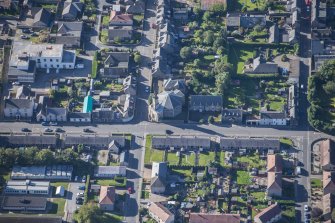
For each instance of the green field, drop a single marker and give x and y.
(243, 177)
(172, 158)
(205, 158)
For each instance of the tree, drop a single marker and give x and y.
(329, 87)
(209, 37)
(258, 28)
(69, 155)
(186, 52)
(197, 11)
(284, 58)
(210, 119)
(88, 213)
(197, 62)
(206, 17)
(45, 156)
(333, 214)
(219, 8)
(137, 58)
(218, 42)
(296, 48)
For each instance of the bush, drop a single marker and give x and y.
(94, 65)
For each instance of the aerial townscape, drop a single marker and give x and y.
(167, 111)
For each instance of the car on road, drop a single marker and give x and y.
(81, 187)
(88, 130)
(306, 207)
(25, 130)
(81, 194)
(308, 9)
(59, 130)
(53, 123)
(168, 132)
(44, 123)
(48, 130)
(24, 37)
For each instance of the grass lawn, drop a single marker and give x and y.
(109, 217)
(147, 149)
(286, 141)
(183, 172)
(222, 156)
(243, 177)
(145, 194)
(104, 35)
(57, 206)
(156, 155)
(105, 20)
(253, 161)
(172, 158)
(111, 182)
(251, 6)
(205, 158)
(316, 183)
(189, 159)
(258, 196)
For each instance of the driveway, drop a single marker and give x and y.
(70, 205)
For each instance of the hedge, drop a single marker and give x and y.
(94, 65)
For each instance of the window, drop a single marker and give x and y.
(45, 60)
(52, 65)
(38, 60)
(50, 60)
(57, 65)
(57, 60)
(70, 66)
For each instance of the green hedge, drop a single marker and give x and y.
(94, 65)
(87, 188)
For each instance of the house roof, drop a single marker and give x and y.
(170, 84)
(42, 16)
(70, 28)
(117, 59)
(274, 163)
(181, 141)
(110, 170)
(120, 31)
(159, 169)
(5, 4)
(79, 115)
(214, 218)
(249, 143)
(275, 180)
(327, 152)
(208, 4)
(268, 213)
(328, 202)
(170, 99)
(232, 112)
(205, 100)
(274, 34)
(107, 195)
(263, 67)
(157, 182)
(328, 179)
(23, 92)
(272, 115)
(56, 111)
(72, 8)
(93, 140)
(15, 103)
(118, 17)
(137, 7)
(160, 211)
(88, 104)
(30, 219)
(113, 145)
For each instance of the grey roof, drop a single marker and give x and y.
(94, 140)
(170, 99)
(249, 143)
(136, 8)
(79, 115)
(274, 34)
(261, 67)
(268, 213)
(205, 100)
(233, 20)
(15, 103)
(26, 140)
(120, 31)
(232, 112)
(272, 115)
(181, 141)
(103, 114)
(73, 8)
(68, 33)
(117, 59)
(13, 218)
(294, 71)
(170, 84)
(15, 72)
(118, 170)
(250, 21)
(56, 111)
(157, 182)
(23, 92)
(42, 18)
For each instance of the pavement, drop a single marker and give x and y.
(70, 205)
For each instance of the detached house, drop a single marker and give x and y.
(328, 182)
(137, 8)
(167, 104)
(158, 177)
(19, 109)
(69, 34)
(72, 9)
(160, 213)
(260, 66)
(119, 19)
(107, 198)
(270, 214)
(115, 66)
(119, 33)
(42, 19)
(327, 155)
(205, 103)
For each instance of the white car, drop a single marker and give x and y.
(306, 207)
(81, 194)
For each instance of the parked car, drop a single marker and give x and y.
(34, 34)
(306, 207)
(87, 130)
(81, 187)
(44, 123)
(26, 31)
(53, 123)
(168, 132)
(59, 130)
(24, 37)
(79, 201)
(47, 130)
(80, 194)
(130, 190)
(25, 130)
(147, 89)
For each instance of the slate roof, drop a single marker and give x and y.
(23, 92)
(56, 111)
(117, 59)
(263, 67)
(72, 8)
(120, 31)
(70, 28)
(28, 140)
(272, 115)
(174, 84)
(107, 195)
(170, 100)
(94, 140)
(268, 213)
(232, 112)
(205, 100)
(136, 8)
(15, 103)
(113, 146)
(42, 18)
(157, 182)
(249, 143)
(81, 115)
(274, 163)
(181, 141)
(214, 218)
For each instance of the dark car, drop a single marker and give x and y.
(47, 130)
(45, 123)
(169, 132)
(25, 130)
(79, 201)
(87, 130)
(59, 130)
